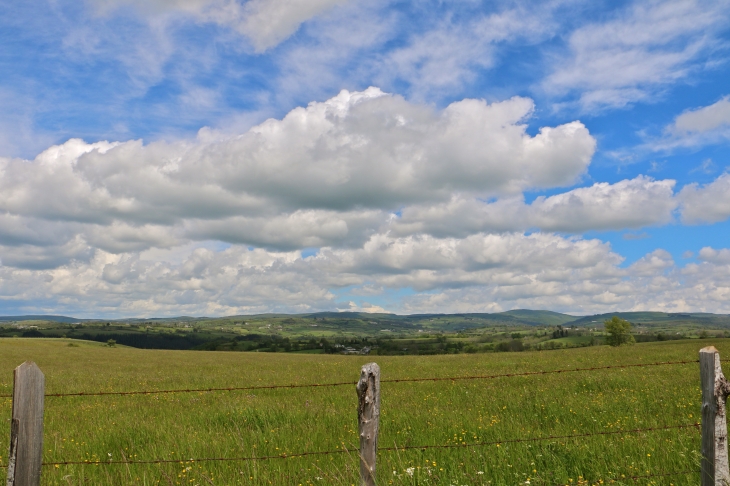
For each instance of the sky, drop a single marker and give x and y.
(222, 157)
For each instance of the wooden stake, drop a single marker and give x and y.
(368, 415)
(715, 390)
(26, 431)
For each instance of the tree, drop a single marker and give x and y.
(111, 343)
(619, 331)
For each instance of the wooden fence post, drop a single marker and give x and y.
(715, 390)
(368, 416)
(26, 431)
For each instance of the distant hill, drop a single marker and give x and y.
(657, 318)
(541, 317)
(157, 319)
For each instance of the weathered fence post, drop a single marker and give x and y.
(368, 416)
(715, 390)
(26, 430)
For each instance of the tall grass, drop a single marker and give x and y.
(274, 422)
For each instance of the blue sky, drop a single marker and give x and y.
(214, 157)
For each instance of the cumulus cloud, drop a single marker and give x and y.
(299, 229)
(608, 206)
(481, 273)
(706, 204)
(705, 119)
(238, 279)
(325, 174)
(393, 194)
(653, 283)
(602, 206)
(697, 127)
(632, 56)
(711, 255)
(653, 264)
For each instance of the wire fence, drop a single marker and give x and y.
(395, 448)
(352, 383)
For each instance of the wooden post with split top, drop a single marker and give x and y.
(715, 390)
(26, 430)
(368, 415)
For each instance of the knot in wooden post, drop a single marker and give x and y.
(26, 430)
(715, 390)
(368, 415)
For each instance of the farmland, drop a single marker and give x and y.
(273, 422)
(379, 334)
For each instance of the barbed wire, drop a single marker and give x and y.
(531, 373)
(380, 449)
(352, 383)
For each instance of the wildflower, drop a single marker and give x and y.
(410, 471)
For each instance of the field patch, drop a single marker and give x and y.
(261, 422)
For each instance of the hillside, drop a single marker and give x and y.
(654, 319)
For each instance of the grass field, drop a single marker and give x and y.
(273, 422)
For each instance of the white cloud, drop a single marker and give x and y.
(705, 119)
(448, 55)
(365, 307)
(697, 127)
(654, 283)
(634, 55)
(299, 229)
(706, 204)
(475, 274)
(626, 204)
(654, 263)
(265, 22)
(719, 257)
(269, 22)
(240, 280)
(451, 46)
(323, 175)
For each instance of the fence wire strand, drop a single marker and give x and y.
(352, 383)
(380, 449)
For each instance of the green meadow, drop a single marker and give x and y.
(255, 423)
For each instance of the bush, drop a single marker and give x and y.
(32, 333)
(514, 345)
(619, 331)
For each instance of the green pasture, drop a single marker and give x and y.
(288, 421)
(572, 340)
